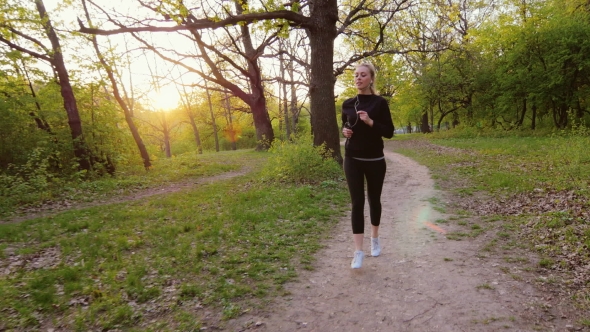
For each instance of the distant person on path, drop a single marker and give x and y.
(366, 119)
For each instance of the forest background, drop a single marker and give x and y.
(143, 87)
(99, 99)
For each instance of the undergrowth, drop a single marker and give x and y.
(301, 162)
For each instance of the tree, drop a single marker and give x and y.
(122, 102)
(12, 38)
(319, 19)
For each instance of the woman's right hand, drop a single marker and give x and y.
(347, 132)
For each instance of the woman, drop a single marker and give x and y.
(366, 119)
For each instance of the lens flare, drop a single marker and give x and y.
(232, 133)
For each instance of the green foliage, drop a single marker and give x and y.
(300, 162)
(26, 183)
(30, 177)
(522, 68)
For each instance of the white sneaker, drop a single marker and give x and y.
(357, 261)
(375, 247)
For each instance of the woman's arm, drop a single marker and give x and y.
(383, 123)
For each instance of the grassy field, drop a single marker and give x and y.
(166, 262)
(532, 191)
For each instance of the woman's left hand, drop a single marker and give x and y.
(365, 118)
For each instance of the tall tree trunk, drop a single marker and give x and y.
(554, 114)
(424, 126)
(294, 112)
(286, 108)
(81, 150)
(231, 130)
(431, 120)
(442, 115)
(563, 116)
(166, 132)
(455, 122)
(283, 92)
(579, 109)
(145, 156)
(213, 123)
(280, 82)
(264, 132)
(324, 15)
(191, 118)
(534, 116)
(523, 113)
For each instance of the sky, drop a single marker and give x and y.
(163, 95)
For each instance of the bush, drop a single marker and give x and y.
(31, 178)
(300, 162)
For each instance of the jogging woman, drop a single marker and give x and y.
(366, 119)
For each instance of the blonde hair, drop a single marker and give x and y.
(373, 73)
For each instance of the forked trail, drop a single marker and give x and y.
(421, 282)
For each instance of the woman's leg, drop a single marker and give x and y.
(356, 183)
(375, 176)
(374, 231)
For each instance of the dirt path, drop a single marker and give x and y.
(60, 206)
(421, 282)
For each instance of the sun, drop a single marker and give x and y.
(166, 99)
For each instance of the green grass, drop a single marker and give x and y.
(149, 265)
(484, 286)
(521, 167)
(514, 164)
(127, 179)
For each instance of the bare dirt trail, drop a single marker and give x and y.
(421, 282)
(61, 206)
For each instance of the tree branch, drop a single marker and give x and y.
(29, 38)
(24, 50)
(207, 23)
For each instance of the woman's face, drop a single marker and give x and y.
(362, 78)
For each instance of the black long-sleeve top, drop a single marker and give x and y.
(366, 142)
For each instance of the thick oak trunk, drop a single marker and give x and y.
(424, 126)
(324, 15)
(264, 132)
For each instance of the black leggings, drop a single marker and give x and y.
(356, 171)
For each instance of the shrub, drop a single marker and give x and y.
(29, 181)
(300, 162)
